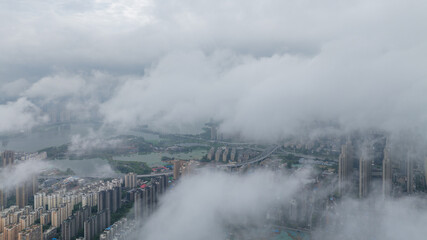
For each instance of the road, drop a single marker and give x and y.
(198, 138)
(52, 177)
(154, 175)
(139, 176)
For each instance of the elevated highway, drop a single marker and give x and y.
(254, 160)
(138, 176)
(154, 175)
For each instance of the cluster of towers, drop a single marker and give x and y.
(23, 191)
(147, 198)
(226, 154)
(365, 161)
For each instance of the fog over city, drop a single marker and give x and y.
(11, 177)
(201, 209)
(357, 64)
(293, 74)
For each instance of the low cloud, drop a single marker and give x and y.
(103, 171)
(93, 141)
(15, 175)
(271, 97)
(56, 86)
(205, 205)
(264, 71)
(19, 115)
(376, 218)
(14, 88)
(208, 204)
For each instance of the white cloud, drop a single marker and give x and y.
(15, 175)
(56, 86)
(203, 206)
(19, 115)
(14, 88)
(90, 142)
(376, 218)
(269, 97)
(260, 68)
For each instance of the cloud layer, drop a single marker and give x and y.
(205, 205)
(265, 70)
(15, 175)
(376, 218)
(19, 115)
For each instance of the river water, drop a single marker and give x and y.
(56, 135)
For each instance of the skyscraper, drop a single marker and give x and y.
(21, 195)
(211, 153)
(56, 217)
(102, 198)
(345, 165)
(34, 185)
(409, 175)
(387, 174)
(130, 180)
(233, 154)
(225, 154)
(214, 133)
(176, 169)
(96, 224)
(218, 154)
(3, 199)
(425, 170)
(109, 200)
(8, 158)
(11, 232)
(365, 164)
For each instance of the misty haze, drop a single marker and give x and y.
(213, 120)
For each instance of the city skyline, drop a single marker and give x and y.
(215, 120)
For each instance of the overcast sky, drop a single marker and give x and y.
(263, 68)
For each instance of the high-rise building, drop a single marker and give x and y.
(8, 158)
(345, 166)
(218, 154)
(387, 174)
(11, 232)
(225, 154)
(50, 233)
(141, 203)
(130, 180)
(365, 164)
(102, 195)
(34, 232)
(211, 153)
(55, 217)
(109, 199)
(38, 200)
(176, 169)
(21, 195)
(45, 219)
(116, 199)
(89, 199)
(214, 133)
(425, 170)
(96, 224)
(3, 200)
(34, 186)
(233, 154)
(69, 228)
(409, 175)
(64, 212)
